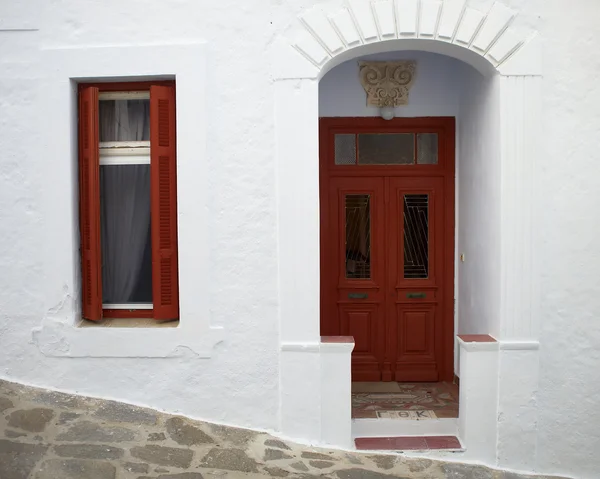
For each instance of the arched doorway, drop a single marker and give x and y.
(496, 293)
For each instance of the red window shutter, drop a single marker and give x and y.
(165, 291)
(89, 204)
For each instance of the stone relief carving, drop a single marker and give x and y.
(387, 84)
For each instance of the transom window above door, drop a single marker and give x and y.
(389, 149)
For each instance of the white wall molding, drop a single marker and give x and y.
(301, 347)
(59, 335)
(519, 345)
(520, 112)
(323, 36)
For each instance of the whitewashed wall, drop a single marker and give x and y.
(239, 382)
(478, 189)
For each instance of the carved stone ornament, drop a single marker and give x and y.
(387, 83)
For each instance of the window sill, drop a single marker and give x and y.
(126, 338)
(128, 323)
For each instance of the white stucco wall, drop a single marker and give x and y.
(568, 401)
(478, 225)
(239, 383)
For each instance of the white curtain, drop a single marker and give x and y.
(125, 204)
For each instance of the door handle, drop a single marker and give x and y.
(416, 295)
(358, 295)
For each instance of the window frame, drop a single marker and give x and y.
(161, 133)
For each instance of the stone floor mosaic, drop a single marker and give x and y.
(51, 435)
(369, 400)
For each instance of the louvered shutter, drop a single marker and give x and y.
(165, 289)
(89, 204)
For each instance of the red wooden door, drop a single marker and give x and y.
(387, 247)
(357, 276)
(414, 254)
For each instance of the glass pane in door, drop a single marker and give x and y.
(358, 236)
(386, 149)
(416, 236)
(427, 149)
(345, 149)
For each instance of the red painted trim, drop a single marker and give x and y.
(128, 86)
(337, 339)
(127, 313)
(407, 443)
(477, 338)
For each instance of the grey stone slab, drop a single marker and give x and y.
(237, 436)
(87, 431)
(357, 473)
(75, 469)
(182, 475)
(67, 417)
(5, 404)
(316, 455)
(384, 462)
(275, 454)
(164, 456)
(89, 451)
(419, 465)
(32, 420)
(17, 460)
(299, 466)
(119, 412)
(466, 471)
(137, 467)
(230, 460)
(182, 432)
(277, 443)
(321, 464)
(276, 472)
(14, 434)
(62, 400)
(156, 436)
(8, 388)
(352, 459)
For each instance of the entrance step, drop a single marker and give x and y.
(408, 443)
(404, 427)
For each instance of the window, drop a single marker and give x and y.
(128, 200)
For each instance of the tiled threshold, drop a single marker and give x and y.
(408, 443)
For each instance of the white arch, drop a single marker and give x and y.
(312, 372)
(485, 40)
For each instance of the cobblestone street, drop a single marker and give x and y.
(49, 435)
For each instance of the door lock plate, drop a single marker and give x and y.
(358, 295)
(416, 295)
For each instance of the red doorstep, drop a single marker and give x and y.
(337, 339)
(407, 443)
(477, 338)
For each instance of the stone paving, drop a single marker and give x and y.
(50, 435)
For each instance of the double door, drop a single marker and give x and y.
(383, 270)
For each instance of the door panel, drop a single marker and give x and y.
(415, 352)
(364, 323)
(356, 268)
(415, 248)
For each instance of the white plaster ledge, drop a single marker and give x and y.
(519, 345)
(57, 339)
(301, 347)
(474, 346)
(337, 348)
